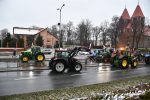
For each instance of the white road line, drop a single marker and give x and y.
(26, 78)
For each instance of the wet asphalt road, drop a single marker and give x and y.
(33, 81)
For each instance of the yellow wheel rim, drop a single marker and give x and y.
(124, 63)
(135, 64)
(25, 59)
(40, 57)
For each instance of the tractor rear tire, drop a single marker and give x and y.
(59, 67)
(123, 63)
(39, 57)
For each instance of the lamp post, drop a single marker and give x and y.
(60, 24)
(1, 41)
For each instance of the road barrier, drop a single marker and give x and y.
(8, 60)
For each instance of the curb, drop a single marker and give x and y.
(23, 70)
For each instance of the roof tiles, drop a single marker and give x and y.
(138, 12)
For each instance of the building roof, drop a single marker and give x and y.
(47, 32)
(125, 14)
(138, 12)
(25, 31)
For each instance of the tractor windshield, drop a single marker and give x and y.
(61, 54)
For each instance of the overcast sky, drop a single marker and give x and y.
(44, 13)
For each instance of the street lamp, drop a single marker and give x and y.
(60, 23)
(1, 40)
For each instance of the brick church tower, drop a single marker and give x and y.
(137, 24)
(124, 28)
(129, 27)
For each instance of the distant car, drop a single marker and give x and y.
(47, 50)
(147, 57)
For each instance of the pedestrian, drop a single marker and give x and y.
(14, 52)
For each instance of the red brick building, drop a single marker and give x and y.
(126, 28)
(29, 36)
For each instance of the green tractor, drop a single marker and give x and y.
(124, 61)
(34, 53)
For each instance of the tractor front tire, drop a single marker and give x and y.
(77, 67)
(134, 64)
(123, 63)
(39, 57)
(24, 59)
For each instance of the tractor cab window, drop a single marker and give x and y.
(35, 49)
(61, 54)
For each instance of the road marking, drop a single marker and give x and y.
(26, 78)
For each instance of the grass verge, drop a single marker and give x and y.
(82, 91)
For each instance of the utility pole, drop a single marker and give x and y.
(60, 24)
(1, 40)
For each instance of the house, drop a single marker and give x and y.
(29, 36)
(49, 40)
(126, 29)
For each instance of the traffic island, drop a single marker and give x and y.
(128, 88)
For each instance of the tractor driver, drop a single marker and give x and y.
(92, 54)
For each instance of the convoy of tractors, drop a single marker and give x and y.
(66, 58)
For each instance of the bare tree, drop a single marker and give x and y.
(103, 29)
(114, 31)
(96, 32)
(84, 32)
(147, 21)
(69, 30)
(138, 24)
(54, 30)
(4, 32)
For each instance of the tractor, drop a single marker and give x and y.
(123, 61)
(65, 59)
(34, 53)
(147, 57)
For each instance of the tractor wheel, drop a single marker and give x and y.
(24, 58)
(59, 67)
(98, 59)
(105, 60)
(114, 62)
(134, 64)
(147, 60)
(124, 63)
(77, 67)
(39, 57)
